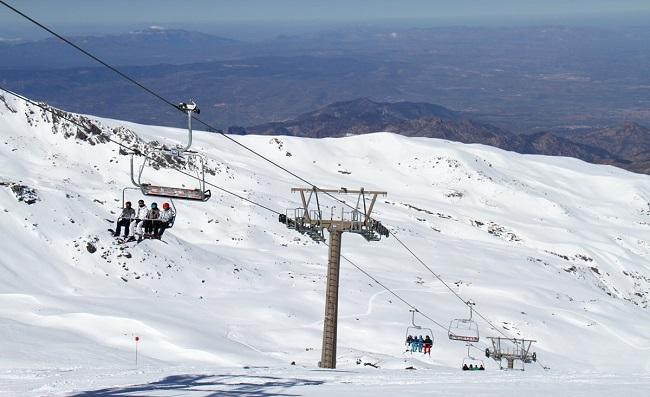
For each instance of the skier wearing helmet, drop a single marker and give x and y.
(165, 220)
(427, 345)
(152, 215)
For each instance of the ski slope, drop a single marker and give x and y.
(549, 248)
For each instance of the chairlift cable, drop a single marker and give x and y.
(219, 131)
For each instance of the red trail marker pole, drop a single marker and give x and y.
(137, 339)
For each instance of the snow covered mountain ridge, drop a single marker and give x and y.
(552, 249)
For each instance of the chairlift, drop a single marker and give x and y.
(472, 363)
(200, 193)
(411, 329)
(511, 349)
(464, 329)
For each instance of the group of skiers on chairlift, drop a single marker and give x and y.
(473, 367)
(419, 344)
(152, 220)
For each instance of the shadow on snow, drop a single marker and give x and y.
(207, 386)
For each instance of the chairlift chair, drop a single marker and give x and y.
(200, 193)
(475, 362)
(464, 329)
(149, 189)
(413, 327)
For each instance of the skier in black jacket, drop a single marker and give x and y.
(124, 220)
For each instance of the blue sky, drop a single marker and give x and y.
(79, 16)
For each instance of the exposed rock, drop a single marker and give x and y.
(90, 247)
(23, 193)
(631, 142)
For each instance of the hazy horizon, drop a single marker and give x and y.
(256, 19)
(520, 65)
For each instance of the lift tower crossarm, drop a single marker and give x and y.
(341, 190)
(359, 222)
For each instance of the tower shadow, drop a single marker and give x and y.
(207, 386)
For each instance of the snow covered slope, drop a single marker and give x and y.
(549, 248)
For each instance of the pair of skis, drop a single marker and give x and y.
(125, 240)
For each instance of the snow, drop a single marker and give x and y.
(549, 248)
(291, 381)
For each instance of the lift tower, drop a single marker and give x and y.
(312, 223)
(511, 349)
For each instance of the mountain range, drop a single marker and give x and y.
(626, 147)
(522, 79)
(230, 301)
(150, 46)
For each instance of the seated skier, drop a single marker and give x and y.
(164, 221)
(415, 343)
(427, 345)
(138, 220)
(152, 216)
(124, 220)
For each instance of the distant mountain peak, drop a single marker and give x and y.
(388, 112)
(152, 29)
(630, 142)
(149, 46)
(362, 101)
(364, 115)
(11, 40)
(161, 30)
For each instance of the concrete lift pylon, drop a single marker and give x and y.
(312, 223)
